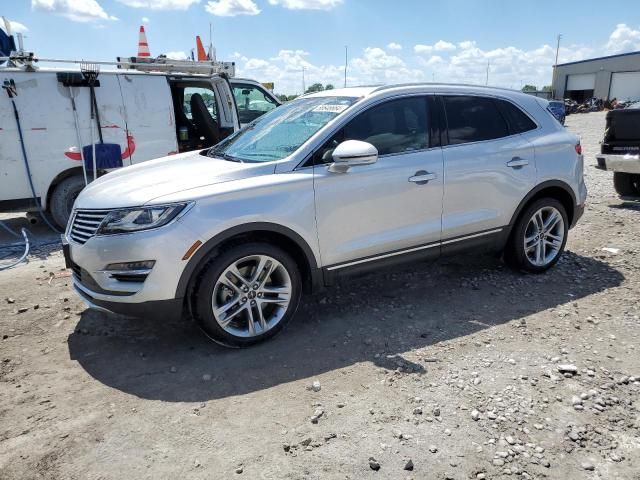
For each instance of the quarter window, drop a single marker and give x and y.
(473, 119)
(518, 121)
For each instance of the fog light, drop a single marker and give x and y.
(131, 266)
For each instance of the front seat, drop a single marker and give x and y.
(206, 125)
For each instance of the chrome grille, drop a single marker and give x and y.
(85, 224)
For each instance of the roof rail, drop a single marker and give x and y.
(160, 64)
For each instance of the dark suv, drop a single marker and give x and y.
(620, 150)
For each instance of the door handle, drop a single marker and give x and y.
(422, 177)
(517, 162)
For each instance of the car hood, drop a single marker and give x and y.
(142, 183)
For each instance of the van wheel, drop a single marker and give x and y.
(62, 198)
(247, 294)
(626, 184)
(539, 236)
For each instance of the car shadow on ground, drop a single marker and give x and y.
(374, 318)
(628, 204)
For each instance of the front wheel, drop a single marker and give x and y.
(539, 236)
(247, 294)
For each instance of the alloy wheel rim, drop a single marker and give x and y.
(251, 296)
(544, 236)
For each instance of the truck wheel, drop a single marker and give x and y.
(247, 294)
(539, 236)
(626, 184)
(62, 198)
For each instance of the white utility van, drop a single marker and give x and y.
(148, 113)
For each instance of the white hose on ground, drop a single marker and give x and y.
(24, 255)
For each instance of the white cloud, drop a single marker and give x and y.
(76, 10)
(439, 46)
(17, 27)
(623, 39)
(442, 46)
(231, 8)
(394, 46)
(423, 49)
(177, 55)
(307, 4)
(454, 62)
(160, 4)
(145, 20)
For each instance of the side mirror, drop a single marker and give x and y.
(352, 153)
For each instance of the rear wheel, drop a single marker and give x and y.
(247, 294)
(626, 184)
(62, 198)
(539, 236)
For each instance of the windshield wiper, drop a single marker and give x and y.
(225, 156)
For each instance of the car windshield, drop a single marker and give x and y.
(282, 131)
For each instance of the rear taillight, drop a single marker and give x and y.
(578, 148)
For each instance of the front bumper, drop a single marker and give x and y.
(102, 289)
(172, 308)
(618, 163)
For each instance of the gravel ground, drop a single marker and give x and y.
(458, 370)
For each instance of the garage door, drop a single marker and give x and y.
(625, 86)
(583, 81)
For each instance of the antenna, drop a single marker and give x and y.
(555, 67)
(488, 65)
(346, 63)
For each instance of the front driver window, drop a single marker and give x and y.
(252, 102)
(397, 126)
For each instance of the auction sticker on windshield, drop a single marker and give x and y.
(330, 108)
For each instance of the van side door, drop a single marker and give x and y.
(150, 124)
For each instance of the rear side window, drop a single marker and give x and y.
(473, 119)
(518, 121)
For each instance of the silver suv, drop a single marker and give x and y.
(329, 184)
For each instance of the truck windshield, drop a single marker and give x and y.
(282, 131)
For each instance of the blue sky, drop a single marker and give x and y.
(389, 41)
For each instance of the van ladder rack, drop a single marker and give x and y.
(160, 64)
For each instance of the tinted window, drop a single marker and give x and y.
(518, 121)
(396, 126)
(393, 127)
(473, 119)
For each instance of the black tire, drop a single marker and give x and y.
(514, 253)
(206, 280)
(626, 184)
(62, 198)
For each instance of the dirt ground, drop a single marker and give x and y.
(461, 369)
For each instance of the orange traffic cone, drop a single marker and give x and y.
(143, 46)
(202, 56)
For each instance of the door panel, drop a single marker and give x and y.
(481, 192)
(393, 204)
(374, 209)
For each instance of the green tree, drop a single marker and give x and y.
(316, 87)
(546, 88)
(529, 88)
(328, 86)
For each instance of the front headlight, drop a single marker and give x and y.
(129, 220)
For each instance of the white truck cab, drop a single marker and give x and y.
(149, 114)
